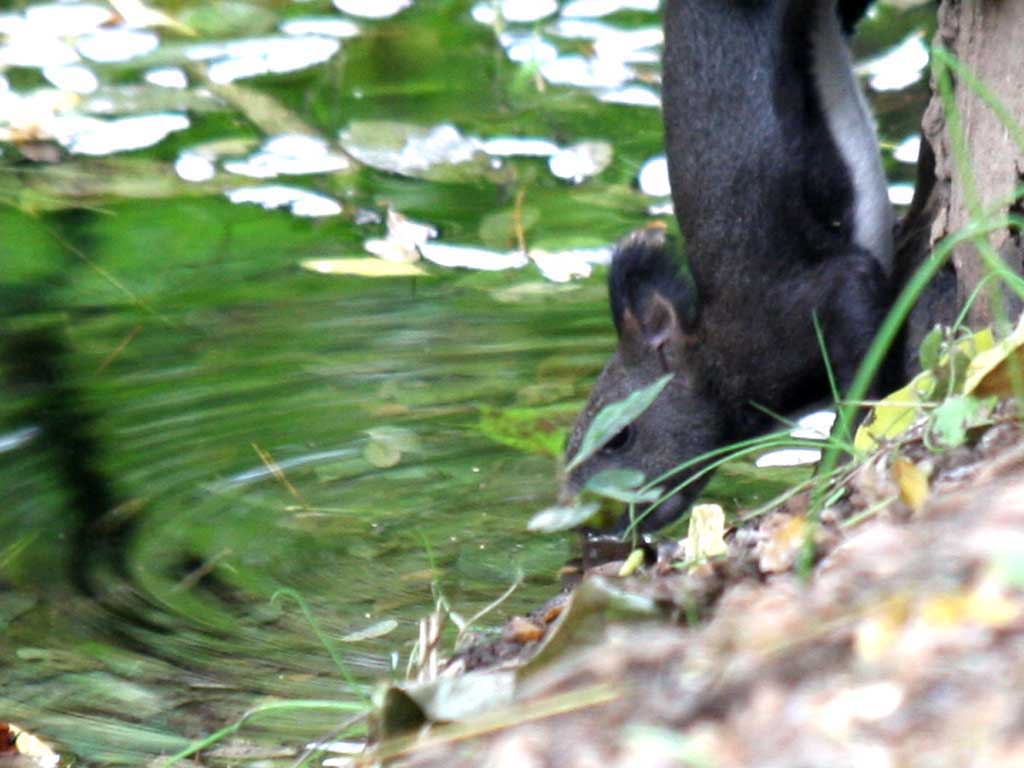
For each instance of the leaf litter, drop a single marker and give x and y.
(718, 650)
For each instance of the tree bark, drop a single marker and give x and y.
(987, 36)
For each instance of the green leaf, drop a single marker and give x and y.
(931, 347)
(554, 519)
(955, 415)
(622, 485)
(615, 417)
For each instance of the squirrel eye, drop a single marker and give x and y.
(622, 438)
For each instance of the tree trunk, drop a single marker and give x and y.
(987, 36)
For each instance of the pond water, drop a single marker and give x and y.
(213, 386)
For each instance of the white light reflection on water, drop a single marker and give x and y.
(900, 67)
(580, 161)
(261, 56)
(167, 77)
(627, 45)
(528, 48)
(75, 78)
(513, 11)
(108, 46)
(901, 194)
(372, 9)
(194, 166)
(632, 95)
(653, 177)
(562, 266)
(515, 146)
(95, 136)
(597, 8)
(908, 149)
(323, 26)
(289, 155)
(300, 202)
(472, 257)
(67, 19)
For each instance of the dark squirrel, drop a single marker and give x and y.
(782, 203)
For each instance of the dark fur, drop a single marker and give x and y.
(765, 202)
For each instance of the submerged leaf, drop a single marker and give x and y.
(379, 629)
(615, 417)
(387, 444)
(554, 519)
(540, 429)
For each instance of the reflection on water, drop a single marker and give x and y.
(192, 421)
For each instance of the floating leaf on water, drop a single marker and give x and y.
(379, 629)
(912, 482)
(705, 537)
(362, 267)
(615, 417)
(554, 519)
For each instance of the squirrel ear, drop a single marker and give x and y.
(661, 323)
(659, 333)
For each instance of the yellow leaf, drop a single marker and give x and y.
(361, 267)
(993, 371)
(634, 561)
(946, 610)
(706, 535)
(897, 412)
(880, 630)
(992, 610)
(912, 482)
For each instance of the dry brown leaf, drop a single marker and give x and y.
(784, 537)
